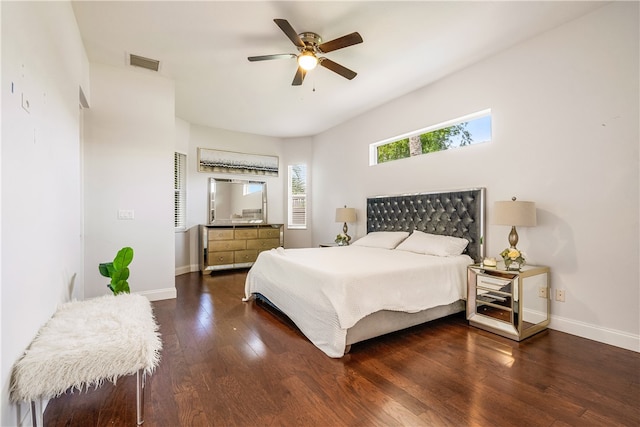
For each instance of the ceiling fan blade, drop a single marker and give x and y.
(267, 57)
(299, 77)
(289, 31)
(340, 42)
(337, 68)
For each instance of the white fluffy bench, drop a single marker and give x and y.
(86, 343)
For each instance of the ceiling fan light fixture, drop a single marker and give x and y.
(310, 45)
(307, 60)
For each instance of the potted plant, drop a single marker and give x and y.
(118, 271)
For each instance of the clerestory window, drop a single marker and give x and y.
(471, 129)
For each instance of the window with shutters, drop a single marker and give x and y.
(297, 197)
(180, 191)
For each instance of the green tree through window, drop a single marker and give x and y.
(298, 179)
(457, 135)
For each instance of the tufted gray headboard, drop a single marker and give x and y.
(452, 213)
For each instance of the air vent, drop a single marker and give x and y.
(141, 61)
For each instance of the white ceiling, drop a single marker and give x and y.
(204, 45)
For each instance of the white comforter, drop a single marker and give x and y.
(325, 291)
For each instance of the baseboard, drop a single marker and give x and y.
(187, 269)
(596, 333)
(160, 294)
(534, 316)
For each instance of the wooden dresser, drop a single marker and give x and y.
(236, 246)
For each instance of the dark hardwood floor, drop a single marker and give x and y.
(229, 363)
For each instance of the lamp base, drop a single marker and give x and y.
(513, 237)
(344, 231)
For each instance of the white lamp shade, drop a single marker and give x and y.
(515, 213)
(345, 215)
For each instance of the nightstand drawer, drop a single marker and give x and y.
(491, 283)
(502, 314)
(494, 298)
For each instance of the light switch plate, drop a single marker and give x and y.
(125, 214)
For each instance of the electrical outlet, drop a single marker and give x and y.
(560, 295)
(542, 292)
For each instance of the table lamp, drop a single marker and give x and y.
(345, 215)
(514, 213)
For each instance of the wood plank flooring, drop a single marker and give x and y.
(229, 363)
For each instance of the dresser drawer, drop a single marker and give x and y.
(235, 245)
(220, 234)
(246, 233)
(263, 244)
(226, 245)
(220, 258)
(245, 256)
(269, 232)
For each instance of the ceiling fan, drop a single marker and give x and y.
(310, 46)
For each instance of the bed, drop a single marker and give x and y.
(384, 282)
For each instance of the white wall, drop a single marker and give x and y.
(182, 237)
(565, 135)
(298, 151)
(128, 152)
(42, 58)
(206, 137)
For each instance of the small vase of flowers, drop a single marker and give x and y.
(513, 259)
(342, 240)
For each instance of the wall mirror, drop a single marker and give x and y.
(237, 201)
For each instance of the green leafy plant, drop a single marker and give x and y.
(118, 271)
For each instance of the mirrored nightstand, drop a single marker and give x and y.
(514, 304)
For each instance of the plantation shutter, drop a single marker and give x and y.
(297, 196)
(180, 188)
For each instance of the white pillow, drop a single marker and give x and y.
(382, 239)
(433, 244)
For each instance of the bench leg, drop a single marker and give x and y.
(140, 383)
(36, 414)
